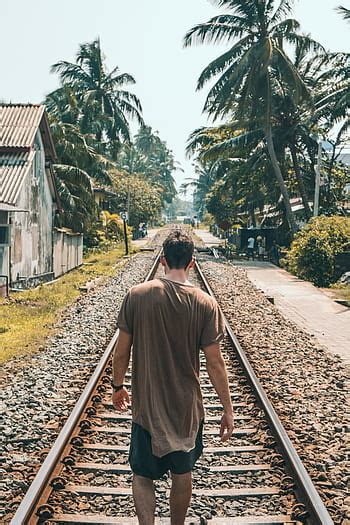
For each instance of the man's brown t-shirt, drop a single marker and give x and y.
(169, 322)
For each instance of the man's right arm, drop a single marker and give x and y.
(218, 376)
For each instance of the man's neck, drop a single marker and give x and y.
(178, 276)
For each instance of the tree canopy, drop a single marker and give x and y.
(275, 92)
(90, 115)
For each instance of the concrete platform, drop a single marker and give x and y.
(140, 243)
(208, 238)
(301, 302)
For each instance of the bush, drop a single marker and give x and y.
(313, 251)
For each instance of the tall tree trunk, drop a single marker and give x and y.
(282, 184)
(300, 181)
(251, 212)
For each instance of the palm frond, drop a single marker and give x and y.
(344, 12)
(290, 75)
(219, 64)
(232, 147)
(308, 43)
(245, 8)
(283, 9)
(216, 33)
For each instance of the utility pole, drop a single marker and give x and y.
(318, 178)
(124, 216)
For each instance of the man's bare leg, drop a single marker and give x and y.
(144, 499)
(180, 497)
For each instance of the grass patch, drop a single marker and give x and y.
(28, 317)
(341, 291)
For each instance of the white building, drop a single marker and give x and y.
(29, 202)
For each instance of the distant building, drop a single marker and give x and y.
(104, 198)
(31, 248)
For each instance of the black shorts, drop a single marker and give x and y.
(144, 463)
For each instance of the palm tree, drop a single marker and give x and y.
(104, 102)
(156, 161)
(202, 183)
(343, 11)
(236, 159)
(75, 190)
(253, 69)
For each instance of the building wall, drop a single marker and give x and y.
(68, 251)
(32, 243)
(4, 257)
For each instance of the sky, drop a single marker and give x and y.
(144, 38)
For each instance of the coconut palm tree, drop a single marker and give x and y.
(105, 103)
(75, 190)
(254, 68)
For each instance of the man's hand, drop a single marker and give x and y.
(121, 400)
(226, 427)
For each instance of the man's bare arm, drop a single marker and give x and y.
(121, 359)
(218, 376)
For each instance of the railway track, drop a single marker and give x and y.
(255, 478)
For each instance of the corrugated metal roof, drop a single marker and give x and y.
(13, 170)
(19, 124)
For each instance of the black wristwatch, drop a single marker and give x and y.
(116, 387)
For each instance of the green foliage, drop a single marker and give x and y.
(90, 116)
(150, 156)
(104, 106)
(136, 195)
(277, 89)
(313, 251)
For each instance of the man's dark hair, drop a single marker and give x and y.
(178, 249)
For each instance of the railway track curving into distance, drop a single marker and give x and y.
(256, 478)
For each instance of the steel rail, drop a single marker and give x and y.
(305, 487)
(30, 501)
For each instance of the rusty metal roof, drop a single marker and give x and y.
(13, 170)
(19, 124)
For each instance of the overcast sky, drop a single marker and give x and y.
(142, 37)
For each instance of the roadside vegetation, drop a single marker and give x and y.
(27, 318)
(279, 105)
(313, 253)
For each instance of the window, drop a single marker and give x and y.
(4, 234)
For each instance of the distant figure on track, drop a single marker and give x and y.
(250, 248)
(167, 321)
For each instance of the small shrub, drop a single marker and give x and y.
(313, 251)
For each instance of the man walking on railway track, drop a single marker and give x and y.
(167, 321)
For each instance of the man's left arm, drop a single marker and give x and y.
(121, 359)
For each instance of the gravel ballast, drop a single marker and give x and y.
(307, 386)
(42, 389)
